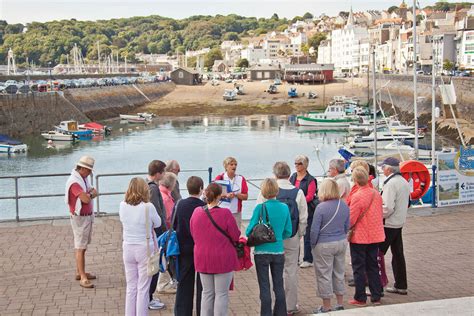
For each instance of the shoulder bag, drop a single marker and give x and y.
(153, 261)
(350, 233)
(238, 245)
(262, 232)
(335, 213)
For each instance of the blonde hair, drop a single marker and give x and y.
(228, 161)
(360, 176)
(269, 188)
(168, 180)
(328, 190)
(360, 163)
(137, 192)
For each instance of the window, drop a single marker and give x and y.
(267, 75)
(180, 75)
(469, 48)
(259, 75)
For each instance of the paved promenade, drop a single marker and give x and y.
(37, 268)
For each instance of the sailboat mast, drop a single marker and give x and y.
(415, 94)
(374, 100)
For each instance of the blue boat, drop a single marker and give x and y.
(11, 146)
(71, 127)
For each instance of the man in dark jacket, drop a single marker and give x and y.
(184, 210)
(156, 170)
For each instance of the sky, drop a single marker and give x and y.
(24, 11)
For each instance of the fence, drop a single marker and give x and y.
(18, 195)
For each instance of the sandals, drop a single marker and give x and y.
(86, 284)
(89, 277)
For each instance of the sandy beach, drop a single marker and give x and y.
(207, 99)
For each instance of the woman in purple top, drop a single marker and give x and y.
(329, 244)
(215, 257)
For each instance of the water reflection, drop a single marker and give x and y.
(256, 141)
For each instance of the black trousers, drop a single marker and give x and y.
(308, 256)
(394, 240)
(364, 262)
(185, 291)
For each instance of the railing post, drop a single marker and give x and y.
(209, 170)
(98, 196)
(17, 202)
(433, 188)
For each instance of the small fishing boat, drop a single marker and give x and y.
(293, 93)
(11, 146)
(229, 95)
(383, 139)
(137, 118)
(333, 116)
(71, 127)
(59, 136)
(96, 128)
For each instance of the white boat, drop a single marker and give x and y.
(383, 139)
(59, 136)
(11, 146)
(229, 95)
(138, 118)
(333, 116)
(71, 127)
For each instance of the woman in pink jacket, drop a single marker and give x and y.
(167, 184)
(367, 224)
(215, 257)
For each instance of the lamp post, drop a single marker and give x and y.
(415, 106)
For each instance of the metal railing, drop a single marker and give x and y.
(18, 196)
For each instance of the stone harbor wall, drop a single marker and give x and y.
(24, 114)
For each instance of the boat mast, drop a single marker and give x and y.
(374, 100)
(415, 94)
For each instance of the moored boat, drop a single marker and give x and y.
(96, 128)
(71, 127)
(58, 136)
(11, 146)
(333, 116)
(383, 139)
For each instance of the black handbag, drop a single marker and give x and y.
(238, 245)
(261, 233)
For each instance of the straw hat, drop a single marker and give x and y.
(86, 162)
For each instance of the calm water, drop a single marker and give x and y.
(197, 143)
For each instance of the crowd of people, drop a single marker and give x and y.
(327, 218)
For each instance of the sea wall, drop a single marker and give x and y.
(400, 89)
(24, 114)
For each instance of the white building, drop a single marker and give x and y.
(350, 48)
(324, 52)
(465, 41)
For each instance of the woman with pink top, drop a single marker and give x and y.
(167, 184)
(367, 224)
(215, 257)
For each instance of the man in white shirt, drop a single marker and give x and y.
(282, 173)
(337, 171)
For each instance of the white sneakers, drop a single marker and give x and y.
(155, 304)
(306, 264)
(168, 288)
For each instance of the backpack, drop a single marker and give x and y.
(288, 196)
(169, 249)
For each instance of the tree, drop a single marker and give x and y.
(231, 36)
(213, 55)
(275, 17)
(296, 18)
(242, 63)
(307, 16)
(448, 65)
(343, 14)
(316, 39)
(392, 9)
(14, 28)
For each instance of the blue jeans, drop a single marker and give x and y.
(276, 263)
(308, 256)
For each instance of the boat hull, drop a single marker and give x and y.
(58, 137)
(324, 123)
(13, 149)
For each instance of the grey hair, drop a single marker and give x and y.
(171, 165)
(303, 159)
(168, 180)
(337, 164)
(281, 170)
(393, 169)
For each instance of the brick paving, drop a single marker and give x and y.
(37, 268)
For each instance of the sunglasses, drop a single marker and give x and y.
(298, 163)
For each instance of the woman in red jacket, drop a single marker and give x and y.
(367, 224)
(215, 257)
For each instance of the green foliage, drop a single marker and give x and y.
(307, 16)
(53, 41)
(316, 39)
(448, 65)
(214, 54)
(242, 63)
(392, 9)
(449, 6)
